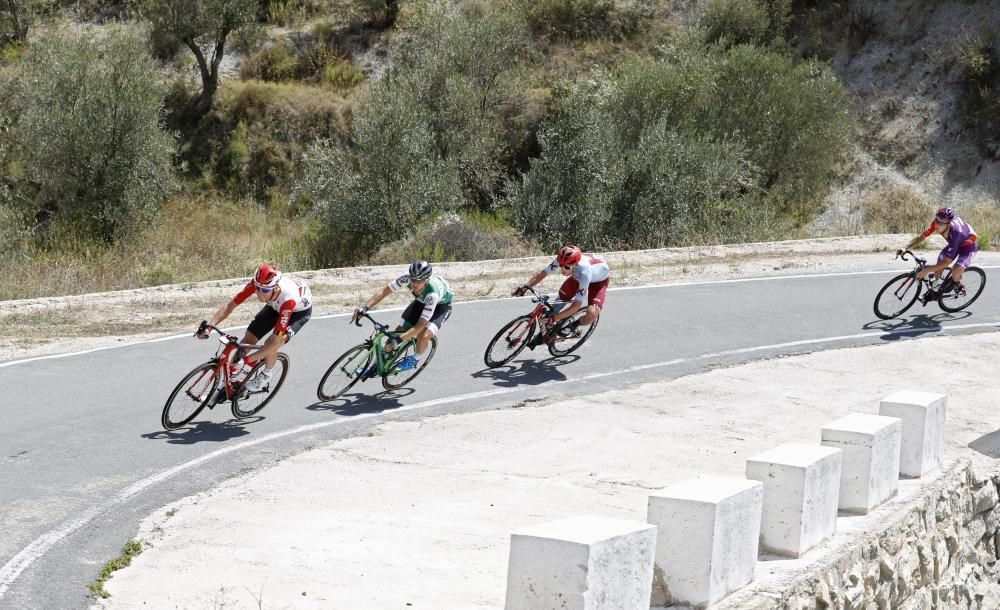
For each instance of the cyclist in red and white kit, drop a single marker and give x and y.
(587, 276)
(287, 308)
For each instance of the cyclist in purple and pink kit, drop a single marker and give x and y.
(961, 247)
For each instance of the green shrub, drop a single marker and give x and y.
(89, 133)
(260, 131)
(275, 62)
(427, 137)
(737, 22)
(979, 101)
(712, 142)
(571, 19)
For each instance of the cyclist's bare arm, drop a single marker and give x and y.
(220, 315)
(373, 301)
(535, 279)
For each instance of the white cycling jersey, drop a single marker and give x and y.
(591, 269)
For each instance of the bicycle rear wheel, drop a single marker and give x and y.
(395, 378)
(898, 295)
(973, 283)
(246, 403)
(509, 341)
(564, 341)
(344, 372)
(190, 396)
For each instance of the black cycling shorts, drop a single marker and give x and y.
(267, 317)
(411, 315)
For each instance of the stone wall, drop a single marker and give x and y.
(939, 551)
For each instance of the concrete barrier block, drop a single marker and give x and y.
(923, 417)
(870, 468)
(584, 562)
(801, 492)
(706, 542)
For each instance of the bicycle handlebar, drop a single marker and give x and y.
(920, 261)
(224, 337)
(378, 325)
(539, 298)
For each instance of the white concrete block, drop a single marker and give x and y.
(923, 416)
(801, 491)
(706, 542)
(870, 468)
(585, 562)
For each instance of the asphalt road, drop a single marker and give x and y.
(83, 458)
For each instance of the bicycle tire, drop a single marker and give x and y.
(399, 382)
(208, 369)
(275, 384)
(521, 341)
(943, 302)
(336, 367)
(557, 352)
(888, 311)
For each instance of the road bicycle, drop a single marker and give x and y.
(221, 379)
(370, 358)
(562, 339)
(902, 291)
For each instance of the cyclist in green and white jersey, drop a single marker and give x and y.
(422, 319)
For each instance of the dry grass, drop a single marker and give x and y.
(197, 238)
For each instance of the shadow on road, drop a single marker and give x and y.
(527, 372)
(205, 432)
(914, 325)
(988, 444)
(360, 403)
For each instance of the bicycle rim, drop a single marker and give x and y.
(189, 397)
(560, 345)
(245, 403)
(395, 379)
(897, 295)
(509, 341)
(973, 283)
(344, 372)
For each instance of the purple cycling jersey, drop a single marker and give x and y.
(961, 238)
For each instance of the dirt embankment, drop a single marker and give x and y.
(34, 327)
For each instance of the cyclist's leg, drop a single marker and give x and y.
(595, 302)
(965, 255)
(441, 314)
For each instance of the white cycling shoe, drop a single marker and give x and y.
(259, 382)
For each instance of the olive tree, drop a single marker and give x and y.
(15, 19)
(89, 135)
(203, 26)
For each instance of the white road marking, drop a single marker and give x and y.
(769, 278)
(41, 545)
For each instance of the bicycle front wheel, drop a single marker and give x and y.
(395, 378)
(898, 295)
(344, 372)
(565, 341)
(973, 282)
(509, 342)
(246, 403)
(189, 397)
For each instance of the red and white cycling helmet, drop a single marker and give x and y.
(266, 276)
(944, 215)
(569, 255)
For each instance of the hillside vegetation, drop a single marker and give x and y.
(155, 141)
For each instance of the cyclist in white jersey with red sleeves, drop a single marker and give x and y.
(587, 276)
(287, 308)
